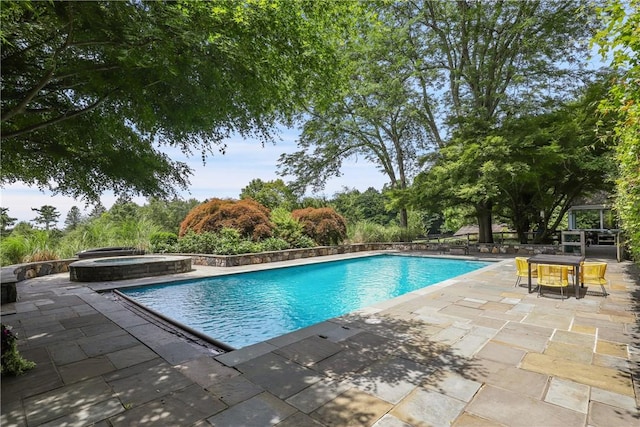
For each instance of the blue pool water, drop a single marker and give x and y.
(246, 308)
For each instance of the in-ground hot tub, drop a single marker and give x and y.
(131, 267)
(109, 251)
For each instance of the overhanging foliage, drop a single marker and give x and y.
(93, 91)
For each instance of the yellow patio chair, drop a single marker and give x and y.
(522, 270)
(592, 273)
(555, 276)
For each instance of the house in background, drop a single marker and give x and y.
(595, 217)
(592, 225)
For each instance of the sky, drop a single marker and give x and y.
(222, 176)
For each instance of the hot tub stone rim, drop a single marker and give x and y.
(110, 251)
(112, 259)
(91, 270)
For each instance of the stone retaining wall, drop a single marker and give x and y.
(525, 250)
(19, 272)
(42, 268)
(292, 254)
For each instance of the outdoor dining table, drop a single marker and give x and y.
(568, 260)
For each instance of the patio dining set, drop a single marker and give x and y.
(553, 271)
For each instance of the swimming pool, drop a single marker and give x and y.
(247, 308)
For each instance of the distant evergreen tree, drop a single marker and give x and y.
(124, 209)
(5, 220)
(97, 211)
(47, 216)
(74, 218)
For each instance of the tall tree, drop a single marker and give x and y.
(552, 159)
(477, 63)
(531, 169)
(73, 219)
(168, 214)
(97, 211)
(346, 203)
(485, 60)
(124, 209)
(463, 173)
(92, 92)
(369, 205)
(374, 116)
(5, 220)
(47, 216)
(271, 194)
(619, 38)
(428, 69)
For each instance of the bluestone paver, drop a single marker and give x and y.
(508, 377)
(601, 415)
(457, 386)
(67, 400)
(605, 378)
(131, 356)
(85, 369)
(316, 395)
(88, 415)
(234, 390)
(391, 380)
(513, 409)
(568, 394)
(206, 371)
(428, 407)
(261, 410)
(352, 408)
(281, 377)
(309, 350)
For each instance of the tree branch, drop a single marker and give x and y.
(65, 116)
(29, 97)
(43, 81)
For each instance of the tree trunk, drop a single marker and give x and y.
(485, 229)
(522, 228)
(404, 218)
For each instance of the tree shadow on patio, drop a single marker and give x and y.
(385, 361)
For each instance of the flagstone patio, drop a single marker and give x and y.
(471, 351)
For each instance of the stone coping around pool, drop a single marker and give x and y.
(206, 271)
(19, 272)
